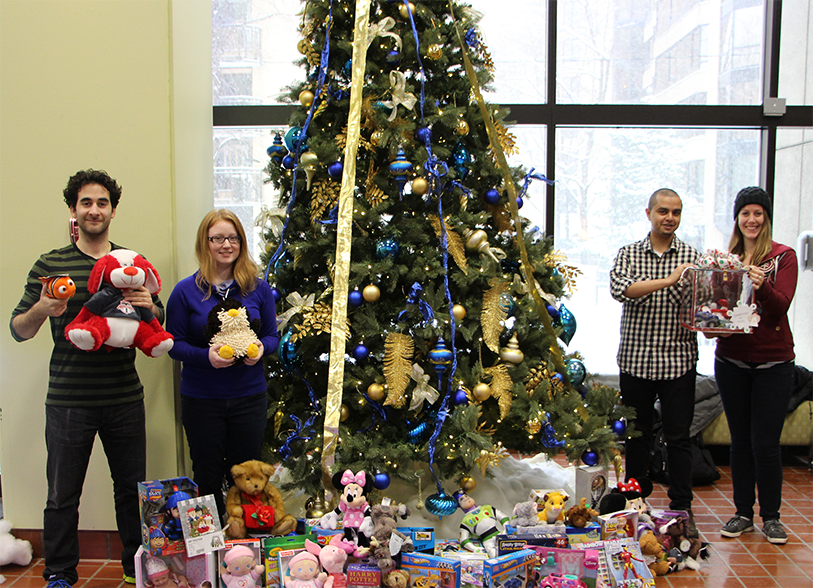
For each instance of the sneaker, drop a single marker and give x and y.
(737, 526)
(55, 582)
(691, 528)
(775, 532)
(128, 579)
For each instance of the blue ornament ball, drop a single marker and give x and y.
(335, 169)
(347, 68)
(287, 352)
(291, 138)
(393, 57)
(619, 427)
(590, 458)
(519, 202)
(440, 504)
(552, 312)
(360, 352)
(387, 248)
(381, 481)
(576, 371)
(276, 294)
(424, 135)
(355, 298)
(460, 397)
(492, 196)
(288, 162)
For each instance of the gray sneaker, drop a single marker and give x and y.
(775, 532)
(737, 526)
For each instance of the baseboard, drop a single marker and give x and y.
(92, 544)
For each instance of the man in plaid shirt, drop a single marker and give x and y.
(657, 357)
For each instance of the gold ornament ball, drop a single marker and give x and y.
(377, 137)
(420, 186)
(481, 391)
(371, 293)
(302, 46)
(459, 311)
(533, 426)
(403, 10)
(434, 51)
(306, 98)
(462, 127)
(375, 391)
(344, 413)
(468, 484)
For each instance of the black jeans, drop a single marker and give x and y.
(756, 404)
(69, 437)
(677, 411)
(222, 432)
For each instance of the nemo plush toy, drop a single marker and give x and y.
(110, 320)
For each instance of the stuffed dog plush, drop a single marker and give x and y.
(108, 319)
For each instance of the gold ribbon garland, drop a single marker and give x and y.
(344, 237)
(502, 164)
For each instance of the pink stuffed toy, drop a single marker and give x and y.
(240, 569)
(305, 571)
(333, 556)
(108, 319)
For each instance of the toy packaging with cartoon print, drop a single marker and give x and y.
(431, 571)
(512, 570)
(171, 571)
(161, 526)
(201, 525)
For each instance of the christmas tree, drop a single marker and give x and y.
(419, 312)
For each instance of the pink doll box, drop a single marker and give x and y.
(252, 543)
(152, 501)
(169, 571)
(512, 570)
(717, 301)
(431, 571)
(582, 564)
(273, 546)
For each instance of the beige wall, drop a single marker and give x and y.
(121, 85)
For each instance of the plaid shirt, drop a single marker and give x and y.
(653, 344)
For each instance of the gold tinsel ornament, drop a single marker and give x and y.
(494, 313)
(398, 352)
(491, 459)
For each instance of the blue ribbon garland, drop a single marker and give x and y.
(302, 134)
(296, 435)
(375, 409)
(532, 176)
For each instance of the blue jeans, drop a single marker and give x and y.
(69, 437)
(222, 432)
(677, 411)
(756, 404)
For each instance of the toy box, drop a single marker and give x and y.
(592, 482)
(323, 536)
(512, 570)
(201, 525)
(625, 564)
(512, 543)
(431, 571)
(161, 532)
(255, 544)
(718, 301)
(174, 570)
(471, 566)
(556, 529)
(588, 534)
(619, 525)
(272, 546)
(363, 575)
(578, 564)
(423, 538)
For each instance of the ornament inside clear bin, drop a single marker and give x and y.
(717, 300)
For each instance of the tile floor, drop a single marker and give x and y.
(746, 562)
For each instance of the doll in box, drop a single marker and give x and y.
(240, 568)
(172, 525)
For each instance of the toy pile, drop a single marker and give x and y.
(605, 539)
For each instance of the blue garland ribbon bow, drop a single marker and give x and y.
(323, 61)
(532, 176)
(414, 299)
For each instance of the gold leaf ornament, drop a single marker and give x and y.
(453, 242)
(493, 314)
(491, 459)
(501, 387)
(398, 352)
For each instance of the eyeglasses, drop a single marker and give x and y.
(218, 239)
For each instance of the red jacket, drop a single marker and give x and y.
(771, 340)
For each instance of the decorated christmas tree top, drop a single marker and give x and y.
(415, 303)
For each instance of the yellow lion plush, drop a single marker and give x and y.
(553, 510)
(255, 503)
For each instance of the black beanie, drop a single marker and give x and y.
(753, 195)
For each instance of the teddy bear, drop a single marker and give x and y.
(396, 579)
(13, 550)
(254, 502)
(385, 520)
(240, 568)
(229, 324)
(691, 548)
(580, 515)
(553, 510)
(110, 320)
(654, 555)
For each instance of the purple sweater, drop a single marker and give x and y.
(771, 340)
(187, 314)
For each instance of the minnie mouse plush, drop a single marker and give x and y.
(108, 319)
(629, 495)
(353, 509)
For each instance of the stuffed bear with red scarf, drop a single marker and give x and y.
(254, 503)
